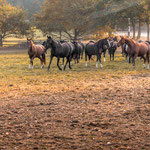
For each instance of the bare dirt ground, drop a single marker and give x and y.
(78, 109)
(109, 114)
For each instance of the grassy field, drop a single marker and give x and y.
(82, 108)
(14, 71)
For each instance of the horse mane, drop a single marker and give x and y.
(99, 43)
(129, 42)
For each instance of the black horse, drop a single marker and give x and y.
(112, 49)
(96, 48)
(82, 49)
(60, 50)
(78, 51)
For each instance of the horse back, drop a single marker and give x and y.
(142, 48)
(39, 49)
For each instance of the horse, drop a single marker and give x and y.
(47, 47)
(136, 49)
(78, 50)
(59, 50)
(96, 48)
(82, 49)
(112, 49)
(124, 50)
(35, 51)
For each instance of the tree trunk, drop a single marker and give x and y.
(1, 41)
(129, 27)
(147, 24)
(134, 30)
(139, 29)
(75, 35)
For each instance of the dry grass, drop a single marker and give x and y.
(17, 79)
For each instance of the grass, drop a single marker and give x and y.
(17, 80)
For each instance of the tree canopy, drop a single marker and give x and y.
(12, 21)
(78, 18)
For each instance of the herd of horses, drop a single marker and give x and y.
(75, 50)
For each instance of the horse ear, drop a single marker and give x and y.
(49, 37)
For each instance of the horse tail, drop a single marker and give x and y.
(44, 58)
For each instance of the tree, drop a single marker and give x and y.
(146, 7)
(73, 17)
(12, 21)
(31, 6)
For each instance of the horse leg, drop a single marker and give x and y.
(31, 61)
(63, 62)
(97, 62)
(66, 64)
(82, 54)
(44, 58)
(133, 61)
(144, 61)
(58, 63)
(126, 58)
(41, 62)
(147, 56)
(89, 59)
(70, 63)
(50, 62)
(129, 59)
(100, 61)
(78, 58)
(104, 53)
(113, 56)
(85, 59)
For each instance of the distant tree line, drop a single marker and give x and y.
(77, 18)
(12, 21)
(31, 6)
(72, 19)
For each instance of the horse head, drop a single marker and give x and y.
(29, 42)
(49, 42)
(121, 41)
(106, 43)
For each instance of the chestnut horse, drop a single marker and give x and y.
(36, 51)
(136, 49)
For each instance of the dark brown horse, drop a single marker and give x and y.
(36, 51)
(136, 49)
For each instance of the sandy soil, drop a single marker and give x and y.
(108, 114)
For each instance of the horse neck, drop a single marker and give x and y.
(99, 43)
(129, 42)
(55, 44)
(32, 46)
